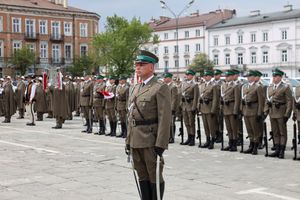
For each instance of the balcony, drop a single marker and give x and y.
(176, 55)
(58, 61)
(31, 36)
(57, 38)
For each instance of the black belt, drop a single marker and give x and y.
(144, 123)
(86, 95)
(249, 103)
(122, 100)
(228, 102)
(99, 97)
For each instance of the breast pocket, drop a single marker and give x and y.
(145, 102)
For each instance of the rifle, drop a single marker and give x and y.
(266, 139)
(242, 134)
(181, 130)
(294, 147)
(221, 124)
(173, 127)
(199, 129)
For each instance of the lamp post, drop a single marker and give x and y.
(176, 16)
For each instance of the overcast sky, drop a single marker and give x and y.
(146, 9)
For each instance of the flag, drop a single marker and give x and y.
(107, 95)
(44, 81)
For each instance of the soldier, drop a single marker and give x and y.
(77, 86)
(1, 98)
(110, 108)
(20, 91)
(252, 109)
(190, 93)
(208, 106)
(30, 99)
(8, 100)
(174, 104)
(230, 102)
(219, 119)
(279, 107)
(40, 105)
(296, 110)
(98, 103)
(149, 122)
(70, 91)
(122, 93)
(86, 102)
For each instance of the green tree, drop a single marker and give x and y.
(201, 62)
(22, 59)
(82, 65)
(118, 46)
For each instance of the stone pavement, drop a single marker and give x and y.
(39, 163)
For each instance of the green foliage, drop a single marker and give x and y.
(22, 59)
(118, 46)
(82, 65)
(200, 63)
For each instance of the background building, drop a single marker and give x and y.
(56, 32)
(176, 53)
(258, 41)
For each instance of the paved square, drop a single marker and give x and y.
(39, 163)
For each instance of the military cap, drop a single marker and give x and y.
(99, 77)
(123, 77)
(146, 56)
(190, 72)
(229, 73)
(258, 73)
(112, 77)
(235, 71)
(208, 73)
(251, 73)
(218, 72)
(278, 72)
(168, 75)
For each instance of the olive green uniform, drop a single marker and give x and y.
(122, 93)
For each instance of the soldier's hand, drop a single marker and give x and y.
(294, 117)
(159, 151)
(285, 119)
(127, 149)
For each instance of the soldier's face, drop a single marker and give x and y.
(217, 77)
(189, 77)
(122, 81)
(167, 80)
(251, 78)
(207, 78)
(276, 79)
(143, 69)
(257, 78)
(111, 81)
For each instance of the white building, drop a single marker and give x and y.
(258, 41)
(176, 54)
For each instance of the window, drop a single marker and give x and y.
(56, 30)
(166, 50)
(187, 62)
(186, 34)
(227, 59)
(175, 35)
(227, 40)
(68, 52)
(265, 57)
(186, 48)
(31, 47)
(166, 64)
(43, 27)
(284, 34)
(55, 53)
(240, 59)
(265, 36)
(175, 49)
(83, 29)
(216, 41)
(166, 36)
(253, 57)
(1, 23)
(156, 50)
(83, 50)
(216, 59)
(176, 63)
(16, 25)
(253, 37)
(17, 45)
(30, 28)
(198, 49)
(44, 50)
(240, 39)
(197, 33)
(68, 28)
(284, 56)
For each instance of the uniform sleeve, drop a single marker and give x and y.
(196, 97)
(174, 97)
(237, 100)
(163, 98)
(215, 99)
(91, 94)
(289, 102)
(261, 102)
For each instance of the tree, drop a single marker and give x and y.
(82, 65)
(22, 59)
(118, 46)
(201, 62)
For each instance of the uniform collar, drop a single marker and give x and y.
(147, 80)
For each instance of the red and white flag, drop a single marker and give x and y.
(107, 95)
(45, 81)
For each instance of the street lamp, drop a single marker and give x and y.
(176, 16)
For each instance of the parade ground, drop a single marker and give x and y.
(40, 163)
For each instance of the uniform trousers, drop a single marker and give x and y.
(189, 121)
(210, 125)
(30, 113)
(122, 115)
(99, 112)
(279, 130)
(231, 126)
(253, 128)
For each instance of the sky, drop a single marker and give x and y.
(146, 9)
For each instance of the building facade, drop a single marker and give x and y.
(56, 32)
(258, 41)
(176, 52)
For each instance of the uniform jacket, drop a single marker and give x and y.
(1, 100)
(59, 102)
(86, 94)
(40, 97)
(190, 95)
(9, 103)
(174, 96)
(154, 102)
(77, 87)
(296, 103)
(70, 91)
(252, 100)
(98, 96)
(122, 93)
(208, 98)
(231, 98)
(279, 101)
(19, 93)
(110, 103)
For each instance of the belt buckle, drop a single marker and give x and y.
(133, 122)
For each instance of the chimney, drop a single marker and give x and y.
(195, 14)
(65, 3)
(254, 13)
(288, 8)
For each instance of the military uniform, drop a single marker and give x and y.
(278, 105)
(8, 101)
(20, 91)
(296, 110)
(40, 105)
(30, 101)
(70, 91)
(1, 98)
(220, 118)
(98, 104)
(110, 108)
(59, 105)
(122, 93)
(86, 103)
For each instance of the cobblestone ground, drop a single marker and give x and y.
(39, 163)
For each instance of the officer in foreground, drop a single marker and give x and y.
(149, 121)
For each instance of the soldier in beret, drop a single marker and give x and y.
(278, 105)
(149, 121)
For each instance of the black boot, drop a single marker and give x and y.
(298, 139)
(114, 129)
(102, 128)
(233, 146)
(146, 192)
(125, 131)
(255, 146)
(260, 144)
(281, 153)
(218, 137)
(154, 193)
(212, 142)
(207, 143)
(187, 141)
(123, 126)
(87, 126)
(277, 151)
(229, 146)
(192, 141)
(90, 126)
(250, 149)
